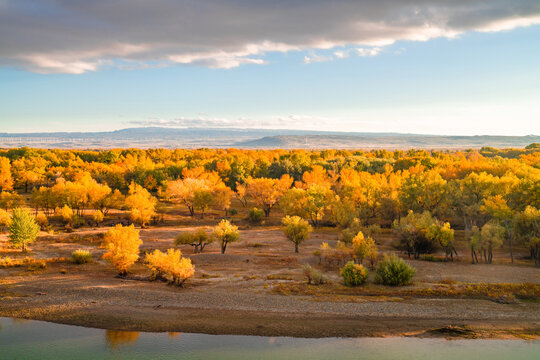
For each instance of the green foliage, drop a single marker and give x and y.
(256, 215)
(296, 230)
(81, 256)
(23, 229)
(233, 212)
(418, 233)
(354, 274)
(198, 239)
(394, 271)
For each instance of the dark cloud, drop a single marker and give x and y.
(74, 36)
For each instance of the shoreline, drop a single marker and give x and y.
(272, 324)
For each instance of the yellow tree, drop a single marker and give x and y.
(183, 191)
(296, 230)
(6, 181)
(170, 263)
(222, 197)
(226, 233)
(241, 193)
(267, 192)
(141, 203)
(122, 245)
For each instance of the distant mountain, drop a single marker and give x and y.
(376, 141)
(154, 137)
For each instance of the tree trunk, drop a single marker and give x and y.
(511, 252)
(296, 247)
(223, 248)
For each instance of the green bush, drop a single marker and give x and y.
(354, 274)
(233, 212)
(393, 271)
(81, 256)
(256, 215)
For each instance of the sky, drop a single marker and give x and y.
(450, 67)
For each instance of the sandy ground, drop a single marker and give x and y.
(232, 293)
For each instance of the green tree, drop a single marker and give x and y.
(23, 229)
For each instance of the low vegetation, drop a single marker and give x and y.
(354, 274)
(81, 256)
(171, 264)
(394, 271)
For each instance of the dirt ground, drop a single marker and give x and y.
(233, 293)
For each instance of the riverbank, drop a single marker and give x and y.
(240, 292)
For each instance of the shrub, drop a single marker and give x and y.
(122, 244)
(42, 221)
(354, 274)
(198, 239)
(233, 212)
(296, 230)
(5, 218)
(313, 276)
(81, 256)
(393, 271)
(65, 213)
(23, 229)
(256, 215)
(226, 233)
(97, 216)
(171, 263)
(77, 221)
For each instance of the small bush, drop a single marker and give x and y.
(233, 212)
(81, 256)
(313, 276)
(5, 218)
(97, 216)
(354, 274)
(65, 213)
(42, 221)
(393, 271)
(77, 221)
(170, 263)
(256, 216)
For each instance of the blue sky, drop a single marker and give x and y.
(471, 82)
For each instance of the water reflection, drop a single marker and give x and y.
(174, 334)
(117, 338)
(48, 341)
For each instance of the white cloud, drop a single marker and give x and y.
(78, 36)
(368, 51)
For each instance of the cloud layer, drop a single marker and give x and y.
(66, 36)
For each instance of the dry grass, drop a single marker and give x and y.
(525, 291)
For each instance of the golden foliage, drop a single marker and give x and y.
(122, 245)
(170, 263)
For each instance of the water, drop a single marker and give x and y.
(25, 339)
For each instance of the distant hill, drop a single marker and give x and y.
(154, 137)
(376, 141)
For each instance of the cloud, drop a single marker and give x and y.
(277, 121)
(368, 52)
(66, 36)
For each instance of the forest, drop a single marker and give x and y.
(492, 194)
